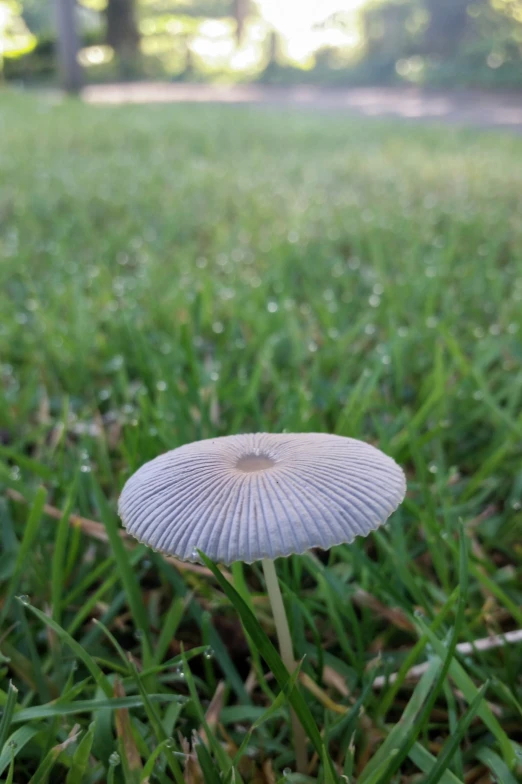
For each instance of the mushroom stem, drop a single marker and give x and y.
(287, 655)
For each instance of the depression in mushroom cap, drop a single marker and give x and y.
(262, 495)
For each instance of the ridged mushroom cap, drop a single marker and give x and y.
(261, 495)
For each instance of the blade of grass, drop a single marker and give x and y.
(470, 691)
(15, 743)
(80, 760)
(169, 626)
(401, 730)
(8, 711)
(87, 706)
(58, 559)
(129, 753)
(10, 772)
(221, 756)
(23, 556)
(210, 773)
(195, 611)
(76, 648)
(496, 765)
(272, 658)
(125, 571)
(453, 720)
(450, 747)
(157, 727)
(274, 708)
(149, 767)
(413, 655)
(425, 761)
(44, 472)
(41, 774)
(446, 659)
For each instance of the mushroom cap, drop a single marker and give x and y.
(260, 495)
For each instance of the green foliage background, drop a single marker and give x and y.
(445, 43)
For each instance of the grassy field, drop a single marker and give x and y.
(174, 273)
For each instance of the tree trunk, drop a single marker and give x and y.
(240, 14)
(122, 32)
(447, 26)
(68, 46)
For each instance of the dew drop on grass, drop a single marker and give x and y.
(85, 469)
(287, 772)
(209, 654)
(194, 556)
(114, 759)
(516, 505)
(24, 599)
(138, 634)
(116, 363)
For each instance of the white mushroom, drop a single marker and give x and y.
(260, 496)
(249, 497)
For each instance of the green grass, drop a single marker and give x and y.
(173, 273)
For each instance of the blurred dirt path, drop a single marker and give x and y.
(461, 107)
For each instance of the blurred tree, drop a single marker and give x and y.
(240, 9)
(38, 16)
(15, 38)
(439, 42)
(448, 21)
(68, 46)
(388, 36)
(122, 33)
(511, 8)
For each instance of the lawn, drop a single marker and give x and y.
(173, 273)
